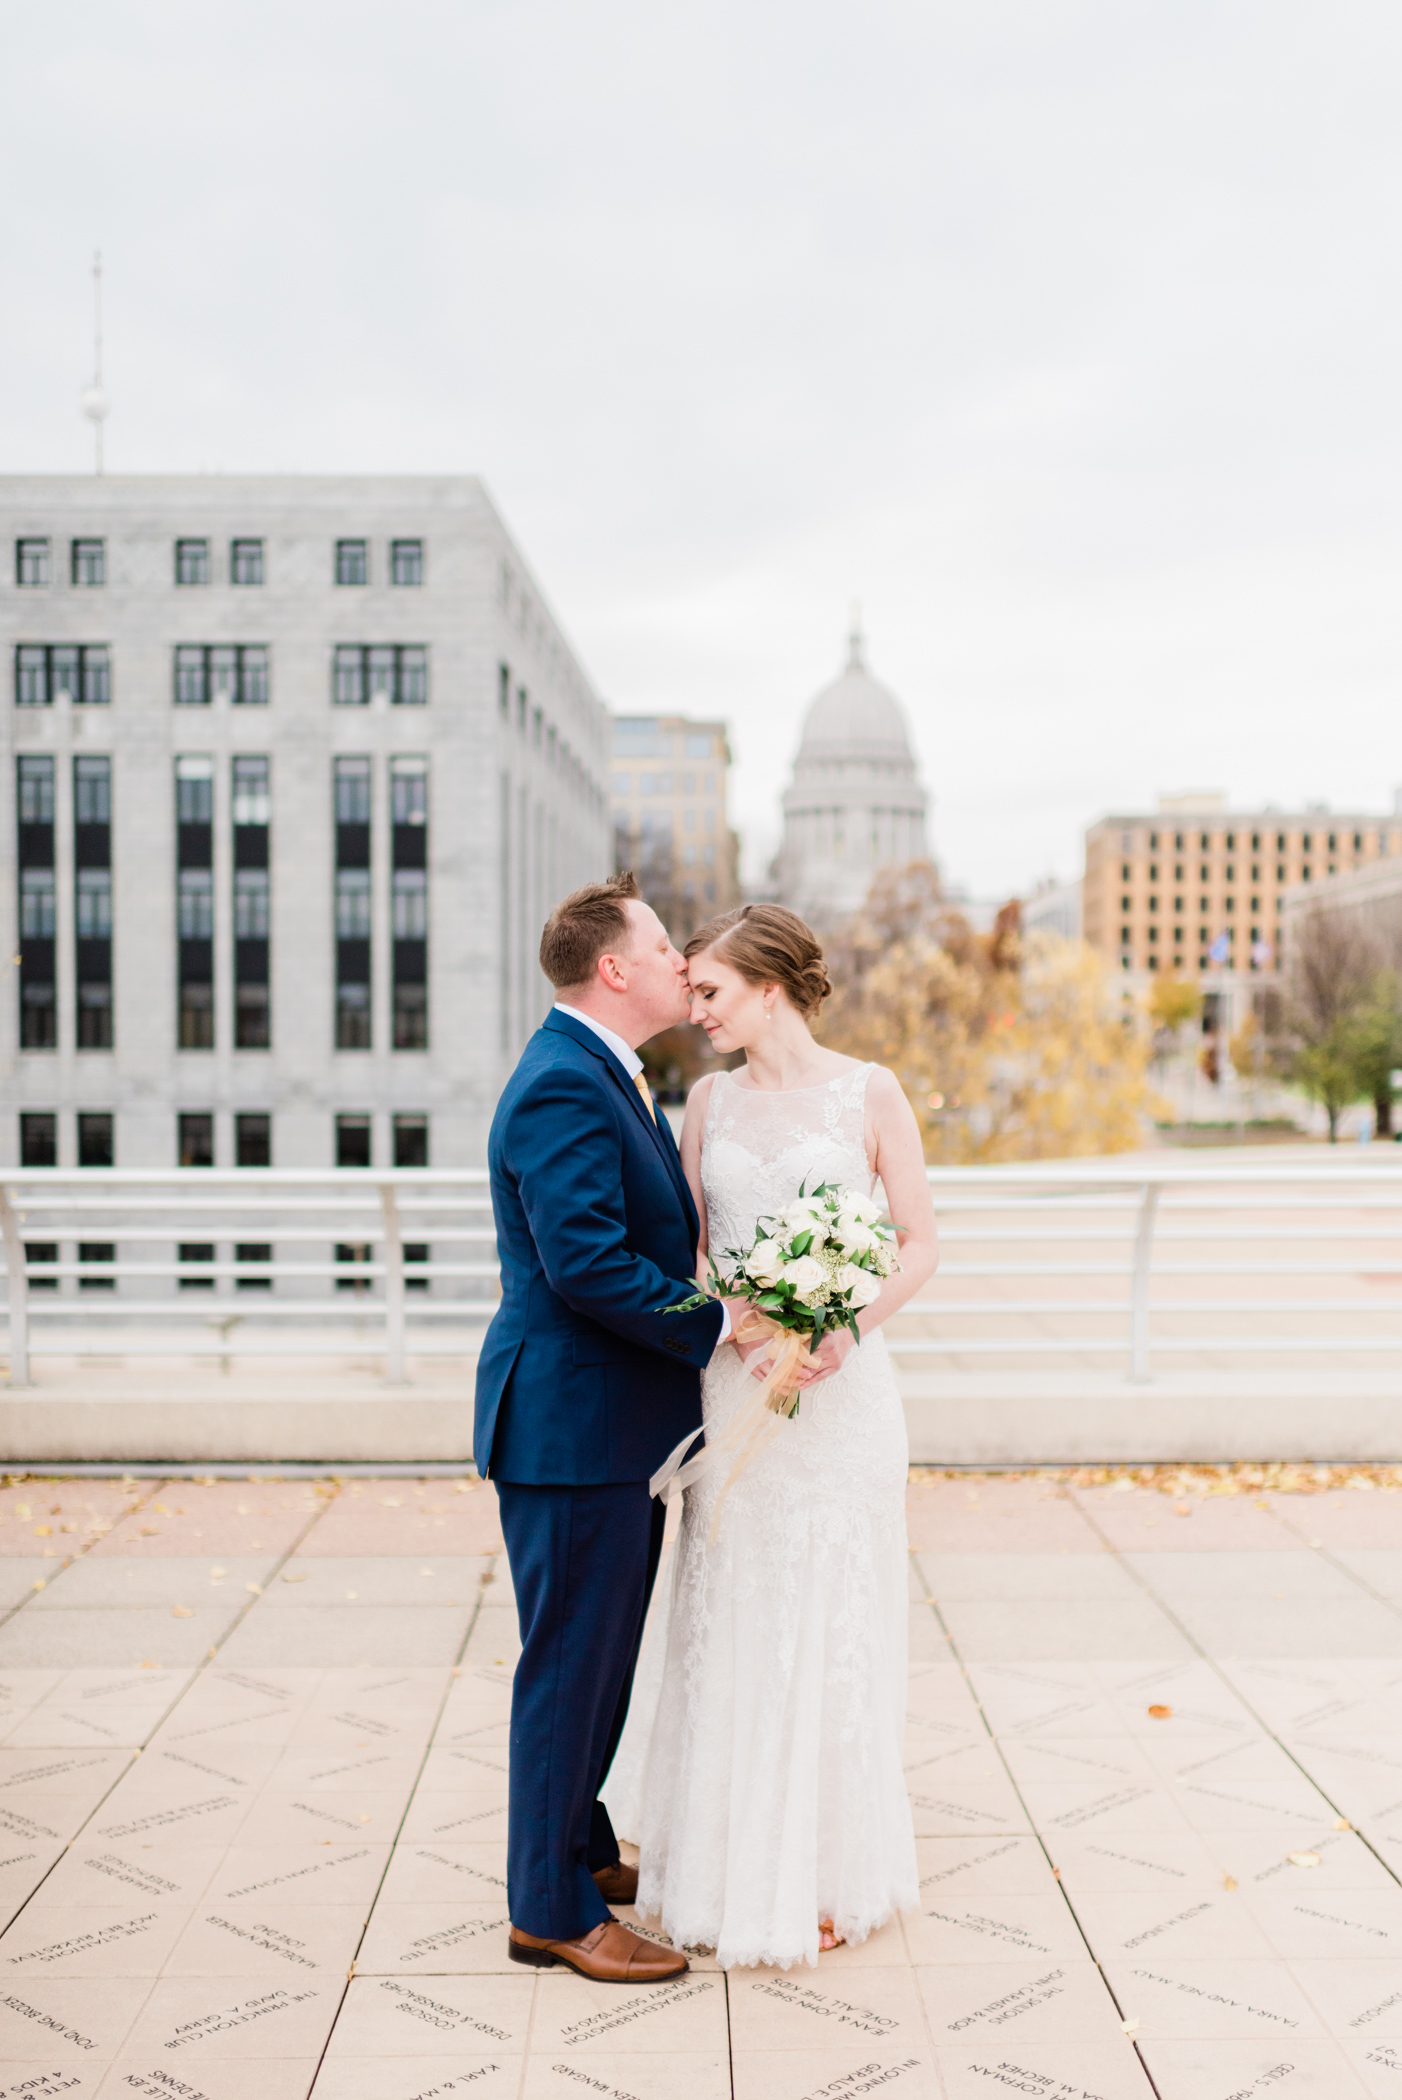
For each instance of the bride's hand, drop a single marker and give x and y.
(759, 1361)
(830, 1355)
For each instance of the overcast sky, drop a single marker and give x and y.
(1065, 336)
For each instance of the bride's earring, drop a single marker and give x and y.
(768, 1013)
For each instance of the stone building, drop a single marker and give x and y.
(855, 804)
(1199, 889)
(293, 769)
(670, 822)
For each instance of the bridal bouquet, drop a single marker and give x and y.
(810, 1269)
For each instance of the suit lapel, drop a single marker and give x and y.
(666, 1145)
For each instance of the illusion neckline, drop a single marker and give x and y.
(778, 1093)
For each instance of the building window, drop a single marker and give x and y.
(94, 1256)
(504, 691)
(353, 904)
(258, 1254)
(92, 858)
(94, 904)
(253, 1147)
(246, 561)
(37, 905)
(353, 1141)
(196, 904)
(406, 561)
(238, 676)
(352, 561)
(352, 931)
(253, 1140)
(194, 831)
(251, 810)
(88, 564)
(38, 1138)
(31, 563)
(96, 1146)
(192, 561)
(409, 891)
(195, 1136)
(63, 671)
(199, 1253)
(394, 674)
(250, 904)
(410, 1133)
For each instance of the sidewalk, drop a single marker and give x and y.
(252, 1787)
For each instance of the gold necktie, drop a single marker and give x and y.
(641, 1084)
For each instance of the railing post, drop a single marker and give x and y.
(17, 1274)
(394, 1286)
(1139, 1302)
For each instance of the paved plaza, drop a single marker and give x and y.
(253, 1784)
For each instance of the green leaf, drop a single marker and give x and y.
(802, 1241)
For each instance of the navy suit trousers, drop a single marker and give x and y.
(583, 1561)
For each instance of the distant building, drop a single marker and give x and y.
(1368, 899)
(670, 823)
(855, 804)
(1054, 907)
(1198, 888)
(293, 769)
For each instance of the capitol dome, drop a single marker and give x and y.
(855, 805)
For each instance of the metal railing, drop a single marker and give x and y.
(254, 1261)
(359, 1263)
(1120, 1224)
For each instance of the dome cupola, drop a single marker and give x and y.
(855, 804)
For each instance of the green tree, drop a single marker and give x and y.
(1377, 1046)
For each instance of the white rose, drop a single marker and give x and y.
(857, 1237)
(765, 1261)
(859, 1283)
(808, 1278)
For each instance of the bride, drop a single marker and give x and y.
(771, 1810)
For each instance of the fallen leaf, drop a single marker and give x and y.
(363, 1819)
(256, 1587)
(43, 1531)
(1182, 1509)
(1229, 1881)
(150, 1531)
(1128, 2026)
(1160, 1713)
(40, 1584)
(181, 1611)
(148, 1664)
(22, 1509)
(295, 1575)
(1303, 1859)
(1342, 1823)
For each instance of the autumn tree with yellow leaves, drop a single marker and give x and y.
(1007, 1049)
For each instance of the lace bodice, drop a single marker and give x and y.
(760, 1148)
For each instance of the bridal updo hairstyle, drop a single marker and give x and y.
(769, 945)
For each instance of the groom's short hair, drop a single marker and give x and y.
(585, 926)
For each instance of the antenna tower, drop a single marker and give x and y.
(93, 401)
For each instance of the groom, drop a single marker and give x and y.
(583, 1387)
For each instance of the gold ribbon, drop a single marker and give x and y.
(754, 1425)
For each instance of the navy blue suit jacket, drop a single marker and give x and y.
(583, 1379)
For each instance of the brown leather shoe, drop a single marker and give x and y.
(610, 1953)
(618, 1883)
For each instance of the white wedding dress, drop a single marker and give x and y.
(760, 1772)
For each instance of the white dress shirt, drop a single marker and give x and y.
(632, 1065)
